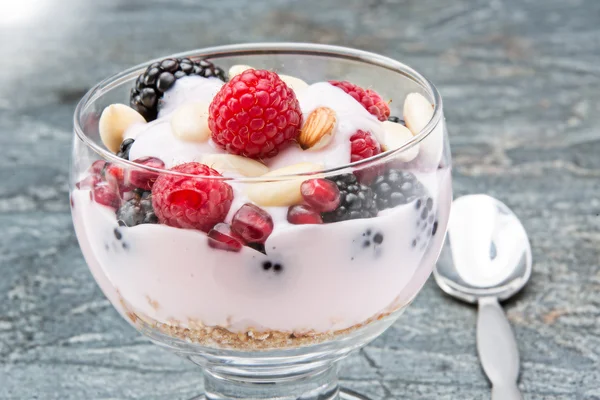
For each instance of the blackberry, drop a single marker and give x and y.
(124, 149)
(397, 120)
(356, 200)
(137, 210)
(396, 187)
(160, 76)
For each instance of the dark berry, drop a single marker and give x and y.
(252, 223)
(302, 214)
(277, 267)
(434, 228)
(396, 187)
(378, 238)
(222, 237)
(397, 120)
(124, 149)
(267, 265)
(429, 203)
(356, 200)
(160, 76)
(137, 210)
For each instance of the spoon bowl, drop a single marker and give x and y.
(487, 252)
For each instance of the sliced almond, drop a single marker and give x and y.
(296, 84)
(114, 121)
(237, 164)
(238, 69)
(417, 112)
(190, 122)
(397, 135)
(285, 192)
(318, 129)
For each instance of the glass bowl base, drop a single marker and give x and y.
(342, 394)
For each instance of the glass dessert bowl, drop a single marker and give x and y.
(266, 221)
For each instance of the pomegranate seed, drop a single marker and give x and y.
(222, 237)
(88, 182)
(145, 179)
(252, 223)
(302, 214)
(97, 167)
(104, 194)
(321, 194)
(115, 176)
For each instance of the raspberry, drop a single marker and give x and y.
(104, 194)
(369, 99)
(255, 115)
(321, 194)
(301, 214)
(223, 238)
(144, 179)
(252, 223)
(192, 203)
(363, 145)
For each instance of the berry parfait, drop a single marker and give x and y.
(262, 209)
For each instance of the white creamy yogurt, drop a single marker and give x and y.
(330, 280)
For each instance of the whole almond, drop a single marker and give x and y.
(285, 192)
(318, 129)
(113, 123)
(190, 122)
(296, 84)
(237, 164)
(417, 112)
(397, 135)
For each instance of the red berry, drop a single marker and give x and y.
(104, 194)
(363, 145)
(321, 194)
(114, 174)
(255, 115)
(189, 202)
(302, 214)
(252, 223)
(144, 179)
(369, 99)
(88, 182)
(222, 237)
(97, 167)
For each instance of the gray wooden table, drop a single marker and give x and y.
(522, 93)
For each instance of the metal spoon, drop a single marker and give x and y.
(486, 259)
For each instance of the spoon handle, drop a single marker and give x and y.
(498, 350)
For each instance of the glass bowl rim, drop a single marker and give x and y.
(268, 48)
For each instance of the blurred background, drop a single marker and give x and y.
(521, 87)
